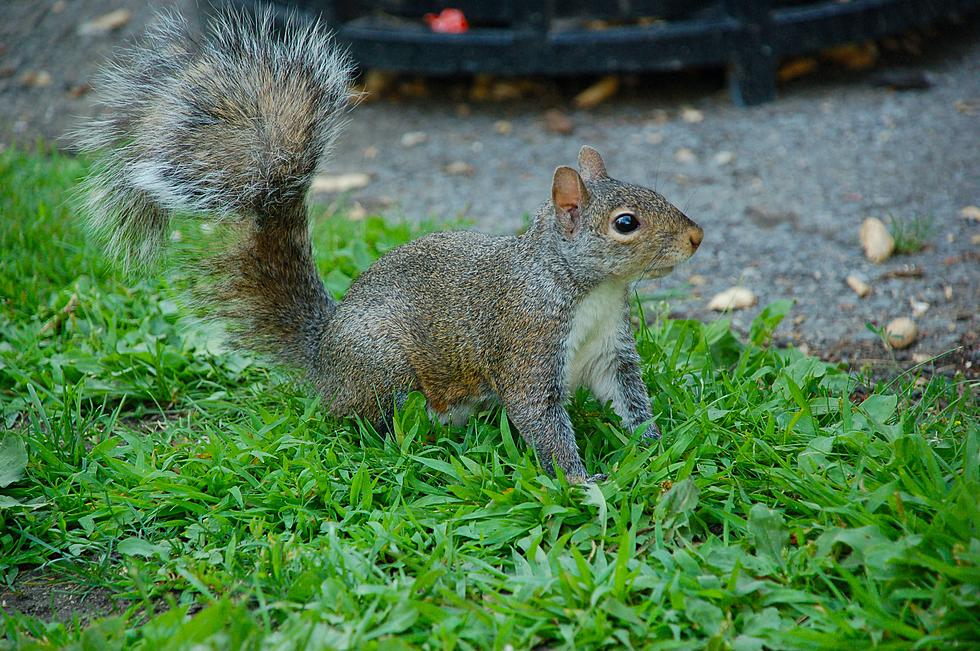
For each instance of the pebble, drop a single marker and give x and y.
(860, 287)
(734, 298)
(901, 332)
(503, 127)
(685, 155)
(38, 79)
(460, 168)
(970, 213)
(877, 241)
(654, 138)
(414, 138)
(724, 157)
(691, 115)
(557, 122)
(340, 182)
(105, 23)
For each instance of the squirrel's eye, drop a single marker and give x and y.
(626, 223)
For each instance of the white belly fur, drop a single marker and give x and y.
(591, 344)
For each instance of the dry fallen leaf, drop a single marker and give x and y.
(853, 56)
(901, 332)
(860, 287)
(340, 182)
(795, 68)
(598, 92)
(734, 298)
(877, 241)
(105, 23)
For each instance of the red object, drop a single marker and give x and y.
(449, 21)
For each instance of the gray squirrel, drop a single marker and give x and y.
(232, 126)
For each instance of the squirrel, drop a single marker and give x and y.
(231, 127)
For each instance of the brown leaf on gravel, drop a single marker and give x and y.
(796, 68)
(853, 56)
(105, 23)
(905, 271)
(598, 92)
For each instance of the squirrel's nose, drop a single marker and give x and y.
(696, 234)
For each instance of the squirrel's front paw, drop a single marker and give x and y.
(651, 434)
(584, 480)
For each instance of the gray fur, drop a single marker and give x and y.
(234, 129)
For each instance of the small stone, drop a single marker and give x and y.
(691, 115)
(340, 182)
(357, 212)
(918, 307)
(460, 168)
(660, 116)
(922, 358)
(654, 138)
(877, 241)
(414, 138)
(860, 287)
(370, 152)
(598, 92)
(697, 280)
(105, 23)
(58, 6)
(901, 332)
(970, 213)
(724, 157)
(463, 110)
(503, 127)
(36, 79)
(557, 122)
(734, 298)
(948, 292)
(685, 155)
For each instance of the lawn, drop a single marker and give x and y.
(187, 496)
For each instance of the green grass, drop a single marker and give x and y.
(222, 508)
(911, 234)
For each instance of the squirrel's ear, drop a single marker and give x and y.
(569, 195)
(590, 164)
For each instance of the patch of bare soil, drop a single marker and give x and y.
(58, 599)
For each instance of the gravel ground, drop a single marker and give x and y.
(781, 217)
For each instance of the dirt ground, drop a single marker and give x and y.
(780, 189)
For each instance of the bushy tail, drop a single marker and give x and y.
(230, 127)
